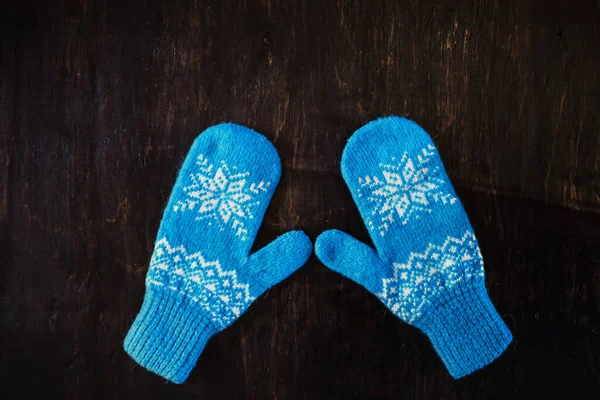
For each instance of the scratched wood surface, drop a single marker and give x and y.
(100, 101)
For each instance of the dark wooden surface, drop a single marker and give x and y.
(100, 101)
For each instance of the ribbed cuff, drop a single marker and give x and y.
(465, 329)
(168, 334)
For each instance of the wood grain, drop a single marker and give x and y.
(100, 101)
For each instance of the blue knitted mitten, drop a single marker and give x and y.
(427, 268)
(201, 277)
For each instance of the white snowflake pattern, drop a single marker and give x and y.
(222, 195)
(424, 275)
(204, 282)
(408, 188)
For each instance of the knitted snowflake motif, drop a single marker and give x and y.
(204, 282)
(424, 275)
(222, 195)
(408, 188)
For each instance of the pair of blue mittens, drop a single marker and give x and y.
(427, 267)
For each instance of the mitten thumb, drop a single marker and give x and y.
(279, 259)
(353, 259)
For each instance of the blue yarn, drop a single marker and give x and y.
(201, 277)
(427, 268)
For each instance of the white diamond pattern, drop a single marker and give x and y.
(204, 282)
(424, 275)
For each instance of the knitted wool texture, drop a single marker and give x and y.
(427, 269)
(201, 277)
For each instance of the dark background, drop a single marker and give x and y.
(100, 101)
